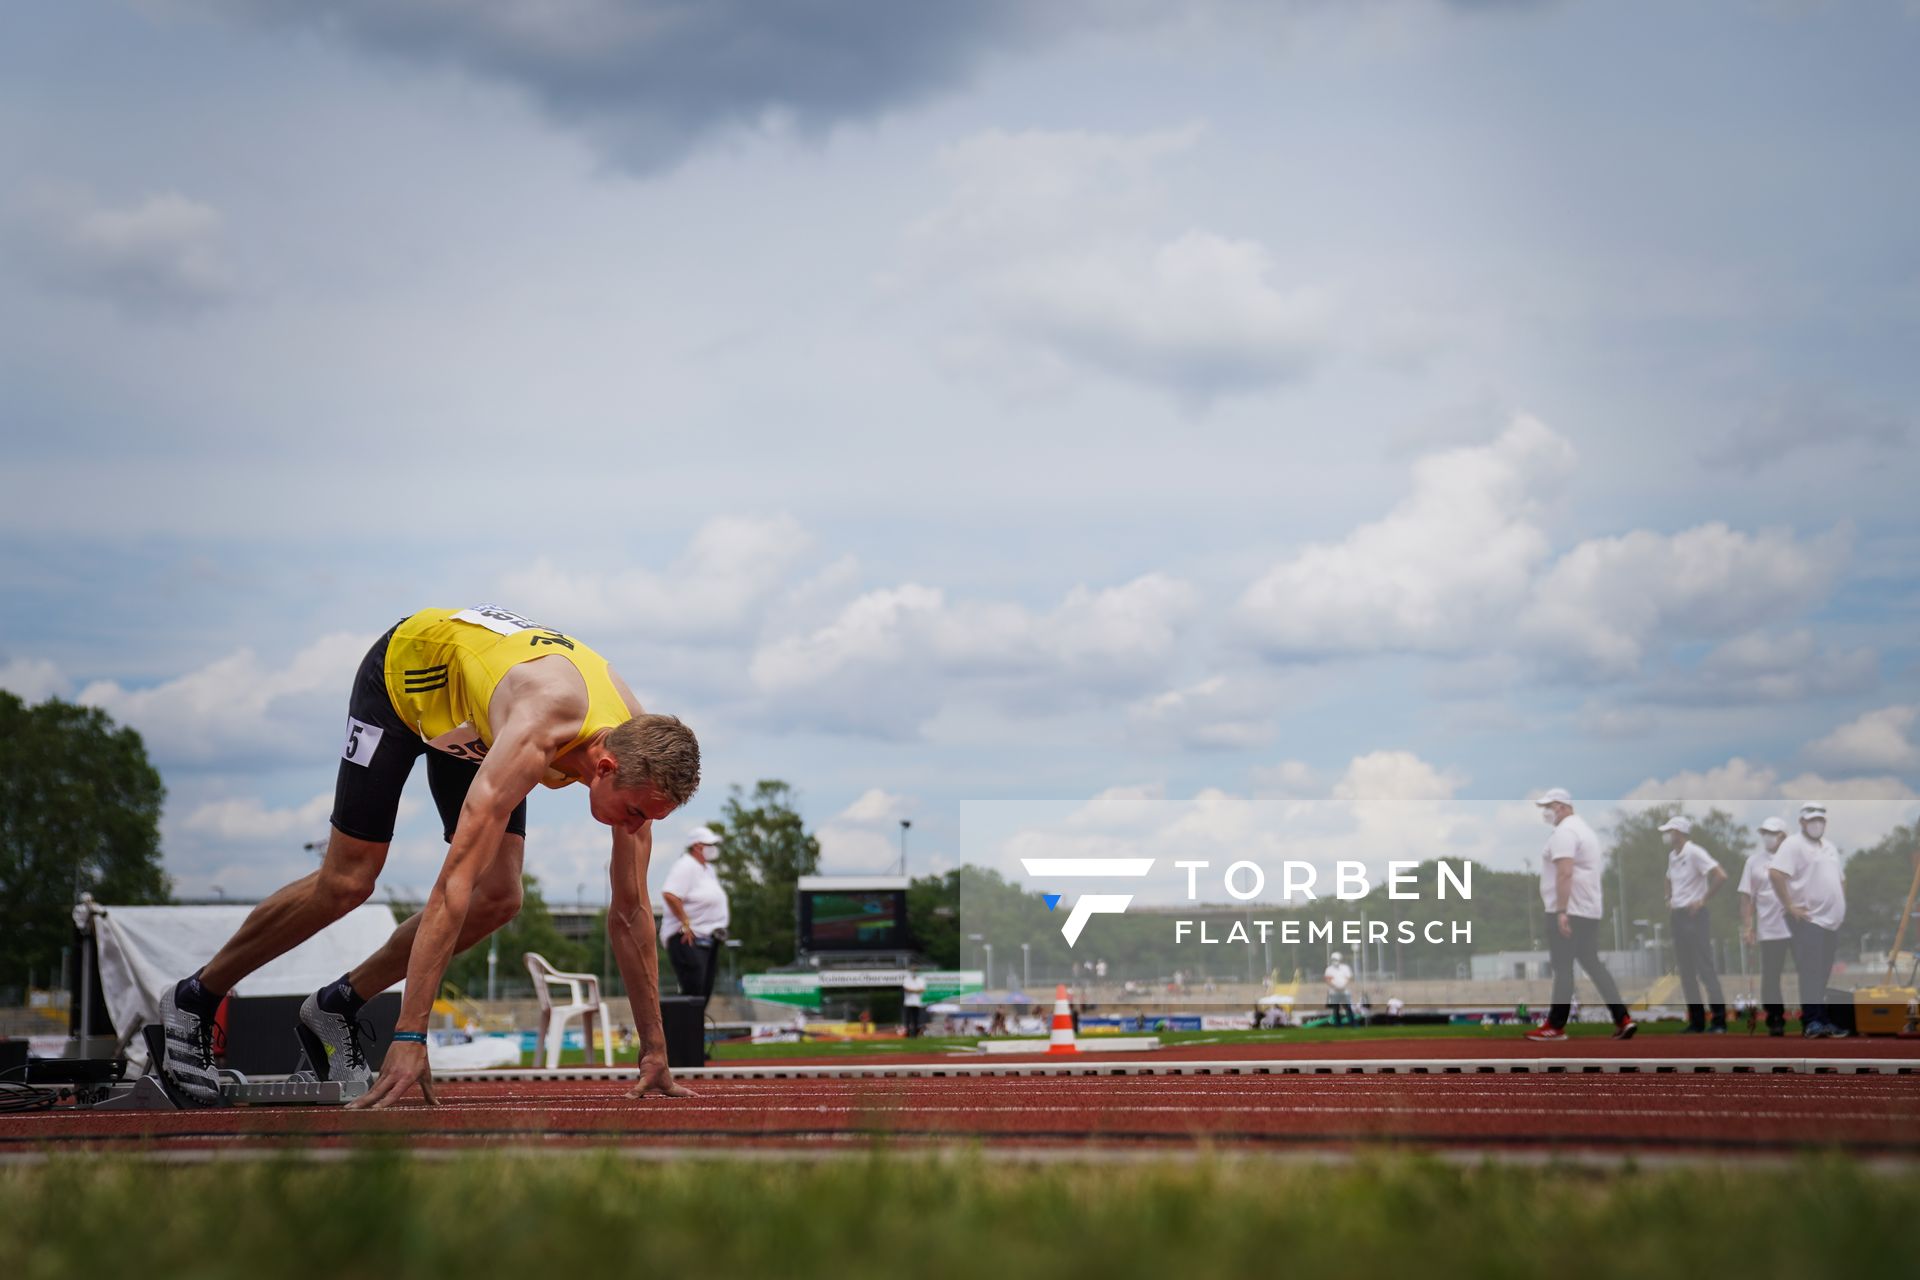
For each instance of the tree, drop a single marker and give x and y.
(933, 915)
(1878, 880)
(532, 930)
(79, 813)
(767, 849)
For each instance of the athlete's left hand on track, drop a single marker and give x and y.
(404, 1067)
(655, 1077)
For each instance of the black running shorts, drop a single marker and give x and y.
(378, 755)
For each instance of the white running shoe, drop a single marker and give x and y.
(333, 1043)
(188, 1065)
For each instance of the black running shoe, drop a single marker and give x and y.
(188, 1066)
(334, 1043)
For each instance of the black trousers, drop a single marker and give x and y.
(1583, 947)
(916, 1017)
(1773, 963)
(1813, 949)
(1341, 1005)
(692, 965)
(1693, 954)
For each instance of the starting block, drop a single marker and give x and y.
(152, 1093)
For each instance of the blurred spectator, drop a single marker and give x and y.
(1693, 876)
(915, 988)
(1764, 920)
(1338, 978)
(1812, 888)
(695, 921)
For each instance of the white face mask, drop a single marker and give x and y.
(1772, 841)
(1547, 816)
(1815, 828)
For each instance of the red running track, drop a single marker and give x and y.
(1460, 1048)
(1678, 1113)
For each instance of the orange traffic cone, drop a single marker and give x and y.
(1061, 1040)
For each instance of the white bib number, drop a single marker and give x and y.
(494, 618)
(463, 741)
(363, 740)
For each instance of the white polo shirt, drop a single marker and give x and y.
(1339, 975)
(1769, 917)
(700, 891)
(1573, 839)
(1814, 878)
(915, 987)
(1689, 875)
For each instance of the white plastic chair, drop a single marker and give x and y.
(583, 998)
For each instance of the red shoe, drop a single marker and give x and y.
(1624, 1029)
(1548, 1033)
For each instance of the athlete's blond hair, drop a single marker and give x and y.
(656, 751)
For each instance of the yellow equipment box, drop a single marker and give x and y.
(1886, 1011)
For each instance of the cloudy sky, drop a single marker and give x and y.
(1191, 421)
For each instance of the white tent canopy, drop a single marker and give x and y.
(143, 950)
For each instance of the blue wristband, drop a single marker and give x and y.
(409, 1037)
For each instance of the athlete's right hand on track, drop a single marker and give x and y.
(655, 1077)
(404, 1067)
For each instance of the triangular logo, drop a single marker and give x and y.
(1053, 900)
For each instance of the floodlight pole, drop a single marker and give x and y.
(905, 823)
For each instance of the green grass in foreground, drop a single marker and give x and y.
(1495, 1036)
(485, 1216)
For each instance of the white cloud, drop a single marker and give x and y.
(246, 820)
(892, 656)
(1879, 741)
(865, 836)
(33, 679)
(240, 711)
(1446, 568)
(1864, 809)
(1463, 566)
(1608, 600)
(731, 568)
(1770, 666)
(1061, 259)
(1218, 713)
(162, 255)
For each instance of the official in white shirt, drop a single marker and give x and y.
(1806, 875)
(695, 922)
(914, 1002)
(1764, 921)
(1570, 874)
(1694, 876)
(1338, 976)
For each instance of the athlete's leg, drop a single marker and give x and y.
(375, 757)
(1586, 945)
(345, 880)
(496, 900)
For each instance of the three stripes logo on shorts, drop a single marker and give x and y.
(426, 679)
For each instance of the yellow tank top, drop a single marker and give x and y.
(443, 666)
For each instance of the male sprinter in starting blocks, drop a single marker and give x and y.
(498, 704)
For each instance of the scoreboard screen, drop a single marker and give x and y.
(854, 919)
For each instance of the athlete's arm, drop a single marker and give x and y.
(1716, 877)
(678, 906)
(512, 768)
(1562, 895)
(1782, 892)
(630, 932)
